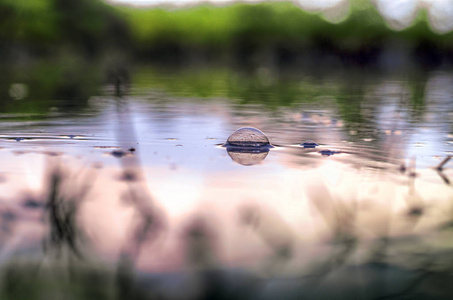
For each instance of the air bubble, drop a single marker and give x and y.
(248, 137)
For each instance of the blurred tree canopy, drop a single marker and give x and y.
(42, 27)
(240, 30)
(281, 27)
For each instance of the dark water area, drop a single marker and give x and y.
(126, 182)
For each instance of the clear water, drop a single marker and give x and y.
(156, 153)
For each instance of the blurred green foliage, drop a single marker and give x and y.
(40, 27)
(46, 27)
(265, 22)
(273, 24)
(63, 34)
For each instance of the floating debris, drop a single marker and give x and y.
(328, 152)
(33, 204)
(118, 153)
(441, 165)
(309, 144)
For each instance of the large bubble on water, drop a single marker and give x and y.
(248, 137)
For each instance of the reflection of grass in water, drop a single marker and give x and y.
(272, 88)
(65, 83)
(264, 86)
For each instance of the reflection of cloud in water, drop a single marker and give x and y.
(284, 199)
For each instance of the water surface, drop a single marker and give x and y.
(369, 193)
